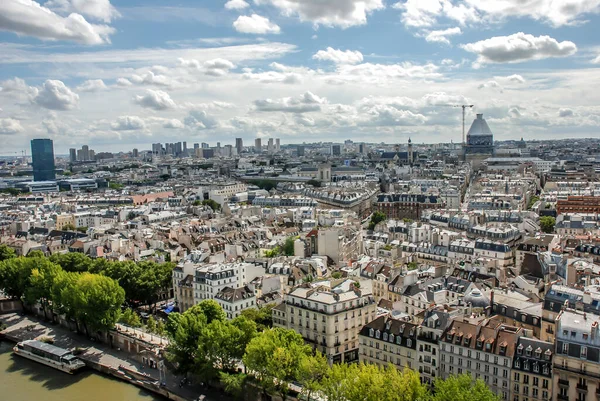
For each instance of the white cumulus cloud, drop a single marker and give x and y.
(339, 56)
(255, 24)
(304, 103)
(55, 95)
(128, 123)
(155, 99)
(173, 124)
(236, 5)
(519, 47)
(97, 9)
(29, 18)
(442, 36)
(92, 85)
(200, 119)
(340, 13)
(10, 126)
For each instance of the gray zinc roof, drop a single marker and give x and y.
(479, 127)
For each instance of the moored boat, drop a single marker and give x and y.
(49, 355)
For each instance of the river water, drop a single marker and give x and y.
(25, 380)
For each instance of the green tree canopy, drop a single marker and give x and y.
(263, 317)
(72, 261)
(41, 281)
(14, 276)
(311, 372)
(462, 388)
(185, 331)
(97, 301)
(6, 252)
(376, 218)
(547, 224)
(130, 318)
(274, 357)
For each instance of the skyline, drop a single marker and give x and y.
(124, 74)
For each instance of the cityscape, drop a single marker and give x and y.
(355, 200)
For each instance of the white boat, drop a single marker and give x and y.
(50, 355)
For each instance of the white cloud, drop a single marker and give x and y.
(98, 9)
(340, 13)
(150, 78)
(92, 85)
(9, 126)
(200, 119)
(565, 112)
(596, 60)
(490, 84)
(236, 5)
(427, 13)
(270, 77)
(442, 99)
(218, 67)
(442, 36)
(515, 78)
(304, 103)
(123, 82)
(29, 18)
(55, 95)
(255, 24)
(128, 123)
(381, 73)
(155, 99)
(173, 124)
(519, 47)
(13, 85)
(339, 56)
(383, 115)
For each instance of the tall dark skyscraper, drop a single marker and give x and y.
(42, 156)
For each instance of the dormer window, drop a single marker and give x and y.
(391, 338)
(528, 351)
(371, 332)
(536, 367)
(546, 370)
(385, 337)
(547, 355)
(402, 329)
(488, 346)
(448, 336)
(520, 349)
(377, 334)
(479, 343)
(517, 363)
(584, 352)
(538, 352)
(409, 342)
(526, 365)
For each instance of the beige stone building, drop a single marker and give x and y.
(329, 315)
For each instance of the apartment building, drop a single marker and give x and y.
(235, 300)
(532, 370)
(482, 350)
(389, 340)
(577, 360)
(210, 279)
(329, 315)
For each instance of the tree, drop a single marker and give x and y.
(211, 309)
(115, 186)
(35, 253)
(185, 331)
(263, 317)
(336, 275)
(41, 281)
(68, 227)
(213, 205)
(97, 301)
(130, 318)
(72, 261)
(412, 265)
(224, 342)
(462, 388)
(274, 357)
(151, 325)
(532, 202)
(273, 252)
(6, 252)
(288, 246)
(376, 218)
(233, 383)
(547, 224)
(311, 372)
(14, 276)
(160, 328)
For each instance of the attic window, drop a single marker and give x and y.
(479, 343)
(385, 337)
(520, 349)
(371, 332)
(377, 334)
(391, 338)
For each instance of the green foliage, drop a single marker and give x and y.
(36, 253)
(10, 191)
(68, 227)
(376, 218)
(215, 206)
(412, 265)
(233, 384)
(288, 245)
(6, 252)
(372, 383)
(272, 253)
(264, 184)
(407, 220)
(462, 388)
(185, 331)
(115, 186)
(72, 261)
(40, 283)
(82, 229)
(14, 276)
(97, 301)
(130, 318)
(311, 372)
(336, 275)
(196, 203)
(532, 201)
(263, 317)
(547, 224)
(151, 325)
(274, 357)
(314, 183)
(224, 342)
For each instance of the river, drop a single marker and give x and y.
(25, 380)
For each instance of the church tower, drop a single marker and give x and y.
(410, 152)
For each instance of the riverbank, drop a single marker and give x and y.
(100, 357)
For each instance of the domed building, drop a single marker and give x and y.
(480, 139)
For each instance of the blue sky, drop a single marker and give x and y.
(123, 74)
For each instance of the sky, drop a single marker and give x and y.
(127, 73)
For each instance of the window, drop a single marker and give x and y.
(377, 334)
(565, 348)
(584, 352)
(409, 342)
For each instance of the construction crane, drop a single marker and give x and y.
(464, 107)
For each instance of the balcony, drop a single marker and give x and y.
(582, 388)
(563, 383)
(561, 397)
